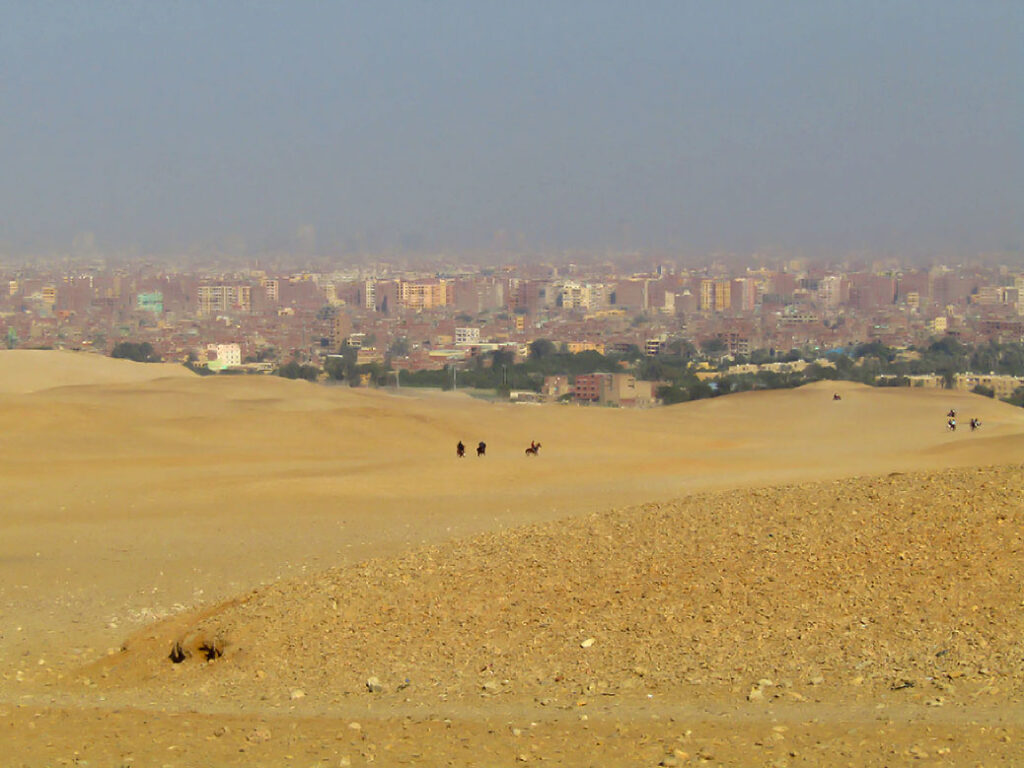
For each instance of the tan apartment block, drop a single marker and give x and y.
(615, 389)
(1003, 386)
(425, 294)
(224, 298)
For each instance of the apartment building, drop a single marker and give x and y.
(613, 389)
(221, 356)
(425, 294)
(464, 336)
(224, 298)
(1002, 386)
(632, 293)
(715, 295)
(150, 302)
(654, 347)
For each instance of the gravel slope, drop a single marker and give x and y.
(894, 582)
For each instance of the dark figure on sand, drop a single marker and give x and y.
(481, 449)
(460, 450)
(532, 450)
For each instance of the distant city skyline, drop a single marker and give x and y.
(689, 128)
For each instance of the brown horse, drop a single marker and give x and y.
(532, 450)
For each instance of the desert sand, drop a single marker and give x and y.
(771, 578)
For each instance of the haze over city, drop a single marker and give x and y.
(519, 129)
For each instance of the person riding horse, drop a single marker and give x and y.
(481, 449)
(532, 450)
(460, 450)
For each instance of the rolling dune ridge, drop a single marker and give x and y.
(772, 578)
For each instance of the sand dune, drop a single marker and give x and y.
(136, 498)
(32, 370)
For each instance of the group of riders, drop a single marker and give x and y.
(951, 421)
(481, 449)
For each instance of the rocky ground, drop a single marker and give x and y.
(874, 583)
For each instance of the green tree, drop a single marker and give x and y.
(1017, 398)
(713, 346)
(815, 372)
(378, 374)
(502, 357)
(295, 370)
(948, 345)
(672, 394)
(682, 348)
(630, 354)
(541, 348)
(874, 349)
(139, 352)
(342, 367)
(700, 390)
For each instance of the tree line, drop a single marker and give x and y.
(871, 363)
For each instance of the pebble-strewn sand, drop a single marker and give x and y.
(864, 582)
(765, 579)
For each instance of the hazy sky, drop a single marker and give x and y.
(333, 126)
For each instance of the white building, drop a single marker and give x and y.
(574, 295)
(223, 355)
(600, 296)
(467, 336)
(830, 291)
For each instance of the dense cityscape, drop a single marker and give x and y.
(657, 334)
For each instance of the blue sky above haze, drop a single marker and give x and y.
(693, 126)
